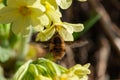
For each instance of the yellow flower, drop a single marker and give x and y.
(41, 77)
(51, 2)
(80, 71)
(22, 14)
(52, 11)
(68, 77)
(64, 4)
(77, 72)
(64, 29)
(53, 14)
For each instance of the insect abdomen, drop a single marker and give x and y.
(57, 47)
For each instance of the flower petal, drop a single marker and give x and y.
(46, 34)
(36, 24)
(21, 71)
(38, 28)
(7, 15)
(20, 2)
(54, 16)
(13, 3)
(53, 3)
(36, 12)
(86, 65)
(65, 35)
(37, 19)
(69, 28)
(37, 4)
(64, 4)
(44, 20)
(21, 25)
(76, 27)
(34, 21)
(28, 3)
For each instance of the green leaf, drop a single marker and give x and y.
(1, 74)
(5, 54)
(4, 34)
(87, 25)
(13, 39)
(5, 2)
(4, 30)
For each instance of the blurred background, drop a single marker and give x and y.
(98, 44)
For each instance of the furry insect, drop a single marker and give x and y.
(57, 47)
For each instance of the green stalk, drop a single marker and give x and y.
(23, 49)
(88, 24)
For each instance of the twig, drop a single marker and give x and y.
(106, 22)
(70, 56)
(103, 58)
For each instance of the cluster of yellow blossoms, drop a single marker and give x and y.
(43, 15)
(43, 69)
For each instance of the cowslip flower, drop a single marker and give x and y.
(44, 69)
(64, 29)
(53, 14)
(51, 2)
(52, 11)
(64, 4)
(22, 14)
(41, 77)
(80, 71)
(68, 77)
(77, 72)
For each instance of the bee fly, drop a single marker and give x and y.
(57, 47)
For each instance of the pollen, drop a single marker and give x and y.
(57, 27)
(24, 10)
